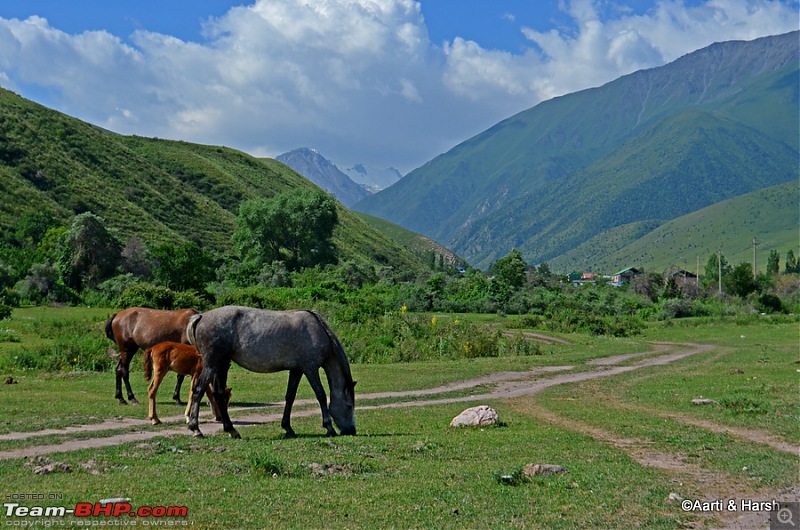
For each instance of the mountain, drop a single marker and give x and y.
(641, 150)
(158, 190)
(424, 248)
(769, 215)
(374, 179)
(325, 174)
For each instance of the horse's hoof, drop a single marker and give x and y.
(188, 420)
(331, 434)
(155, 421)
(197, 434)
(179, 402)
(134, 402)
(122, 401)
(235, 435)
(289, 435)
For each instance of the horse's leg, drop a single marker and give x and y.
(118, 372)
(123, 369)
(152, 390)
(316, 385)
(196, 394)
(213, 402)
(176, 396)
(219, 384)
(125, 373)
(291, 393)
(195, 377)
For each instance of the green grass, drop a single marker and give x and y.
(407, 468)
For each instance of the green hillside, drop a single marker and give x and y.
(769, 215)
(424, 248)
(156, 189)
(682, 164)
(506, 187)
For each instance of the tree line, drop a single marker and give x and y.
(284, 256)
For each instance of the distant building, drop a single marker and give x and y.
(683, 277)
(583, 279)
(625, 275)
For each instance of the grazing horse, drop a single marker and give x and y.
(182, 359)
(140, 327)
(271, 341)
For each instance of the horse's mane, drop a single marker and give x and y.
(337, 346)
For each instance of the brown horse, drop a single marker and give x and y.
(182, 359)
(140, 327)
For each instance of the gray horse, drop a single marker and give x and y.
(271, 341)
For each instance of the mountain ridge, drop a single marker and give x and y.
(312, 165)
(453, 197)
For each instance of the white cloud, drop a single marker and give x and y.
(358, 79)
(603, 49)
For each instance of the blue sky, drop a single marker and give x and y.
(381, 82)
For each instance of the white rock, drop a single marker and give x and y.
(475, 417)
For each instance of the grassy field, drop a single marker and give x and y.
(628, 441)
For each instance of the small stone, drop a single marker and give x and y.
(674, 497)
(533, 470)
(476, 417)
(703, 401)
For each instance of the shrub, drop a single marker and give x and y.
(42, 285)
(73, 353)
(769, 303)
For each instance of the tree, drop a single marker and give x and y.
(713, 265)
(294, 227)
(740, 281)
(773, 263)
(792, 263)
(511, 269)
(31, 226)
(134, 257)
(182, 267)
(91, 252)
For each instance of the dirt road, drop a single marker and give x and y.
(504, 385)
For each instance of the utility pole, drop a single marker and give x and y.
(755, 244)
(697, 278)
(719, 269)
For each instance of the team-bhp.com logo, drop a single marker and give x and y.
(14, 510)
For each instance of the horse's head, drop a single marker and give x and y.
(343, 409)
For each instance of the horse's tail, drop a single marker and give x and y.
(148, 364)
(109, 328)
(190, 327)
(336, 345)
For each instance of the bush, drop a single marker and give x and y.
(676, 308)
(402, 337)
(157, 297)
(85, 352)
(42, 285)
(5, 311)
(769, 303)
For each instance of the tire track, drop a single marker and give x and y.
(508, 385)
